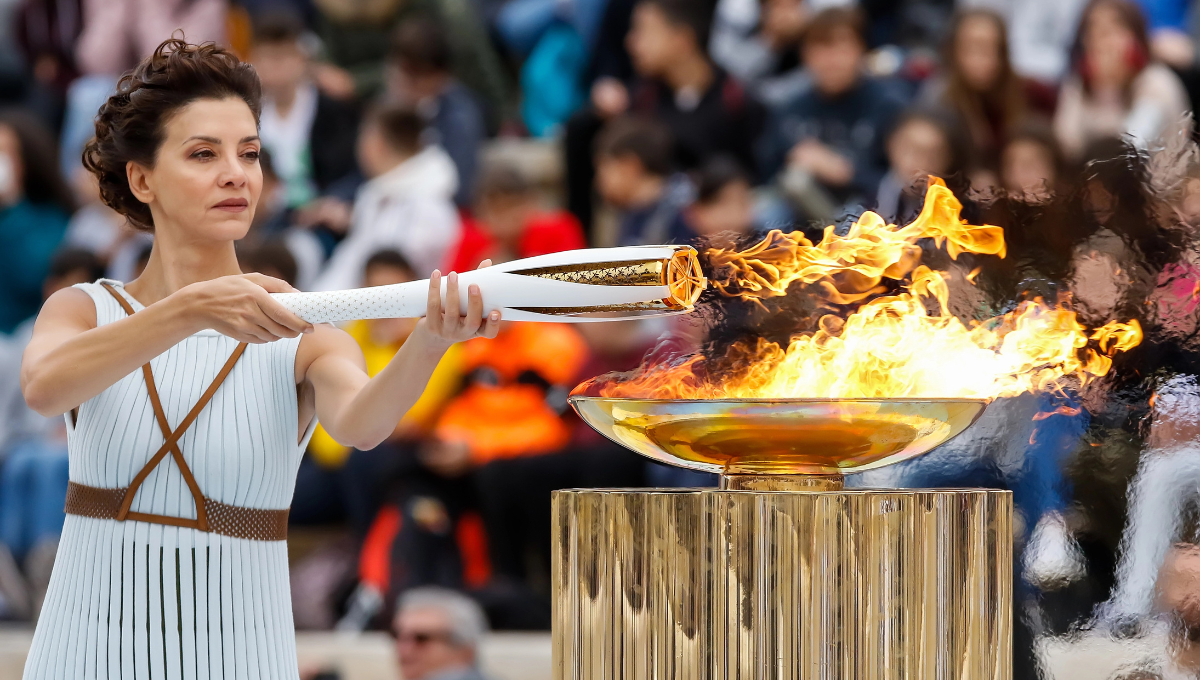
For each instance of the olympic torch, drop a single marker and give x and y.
(596, 284)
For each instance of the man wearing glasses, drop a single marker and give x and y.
(438, 632)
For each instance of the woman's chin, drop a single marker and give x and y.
(231, 227)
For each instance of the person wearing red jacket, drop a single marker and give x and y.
(509, 223)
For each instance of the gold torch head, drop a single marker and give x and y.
(684, 278)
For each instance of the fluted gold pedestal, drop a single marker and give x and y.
(837, 585)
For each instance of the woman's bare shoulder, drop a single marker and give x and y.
(68, 306)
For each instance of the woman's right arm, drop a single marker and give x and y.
(70, 360)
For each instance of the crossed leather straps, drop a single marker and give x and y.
(171, 441)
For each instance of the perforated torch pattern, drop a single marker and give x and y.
(340, 305)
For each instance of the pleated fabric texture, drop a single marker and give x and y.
(139, 600)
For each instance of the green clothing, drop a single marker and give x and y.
(361, 46)
(30, 234)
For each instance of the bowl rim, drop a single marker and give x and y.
(789, 400)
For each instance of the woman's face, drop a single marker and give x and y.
(1107, 44)
(12, 170)
(977, 48)
(206, 179)
(1027, 169)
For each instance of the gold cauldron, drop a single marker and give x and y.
(781, 573)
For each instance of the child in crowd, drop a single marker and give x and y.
(419, 74)
(309, 134)
(923, 143)
(408, 204)
(1031, 163)
(676, 84)
(634, 176)
(827, 144)
(33, 461)
(336, 482)
(724, 199)
(510, 223)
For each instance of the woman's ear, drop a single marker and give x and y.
(139, 182)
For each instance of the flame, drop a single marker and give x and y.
(902, 344)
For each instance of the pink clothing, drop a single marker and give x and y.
(117, 34)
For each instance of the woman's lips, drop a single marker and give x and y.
(233, 205)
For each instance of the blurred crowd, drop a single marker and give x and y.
(403, 136)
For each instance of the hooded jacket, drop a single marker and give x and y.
(409, 208)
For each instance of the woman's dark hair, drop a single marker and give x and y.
(43, 182)
(129, 126)
(1131, 16)
(1003, 104)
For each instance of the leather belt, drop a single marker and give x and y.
(211, 515)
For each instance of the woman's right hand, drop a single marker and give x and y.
(242, 308)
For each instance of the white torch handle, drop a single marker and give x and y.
(518, 296)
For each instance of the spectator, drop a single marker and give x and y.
(33, 460)
(35, 204)
(338, 483)
(1032, 167)
(830, 140)
(438, 633)
(676, 84)
(980, 86)
(724, 200)
(633, 175)
(923, 143)
(272, 229)
(419, 74)
(407, 205)
(1115, 88)
(310, 135)
(1040, 34)
(117, 34)
(357, 37)
(510, 224)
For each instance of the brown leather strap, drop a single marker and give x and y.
(227, 520)
(171, 439)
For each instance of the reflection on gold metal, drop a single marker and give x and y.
(681, 274)
(649, 273)
(845, 585)
(779, 436)
(595, 309)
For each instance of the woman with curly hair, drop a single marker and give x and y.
(178, 568)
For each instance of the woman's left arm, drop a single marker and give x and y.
(362, 412)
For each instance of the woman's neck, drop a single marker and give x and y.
(173, 266)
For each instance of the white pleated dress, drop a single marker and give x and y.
(143, 600)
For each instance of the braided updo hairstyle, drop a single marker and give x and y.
(130, 125)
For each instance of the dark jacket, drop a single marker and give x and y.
(855, 124)
(331, 141)
(727, 119)
(456, 122)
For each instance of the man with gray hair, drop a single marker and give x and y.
(438, 632)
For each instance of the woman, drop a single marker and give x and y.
(1115, 89)
(179, 568)
(35, 205)
(980, 85)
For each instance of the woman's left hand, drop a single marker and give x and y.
(445, 323)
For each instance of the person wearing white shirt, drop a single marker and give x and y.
(407, 205)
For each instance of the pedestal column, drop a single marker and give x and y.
(843, 584)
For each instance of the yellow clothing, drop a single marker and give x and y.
(442, 386)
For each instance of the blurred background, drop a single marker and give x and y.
(402, 136)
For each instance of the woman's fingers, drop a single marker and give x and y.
(270, 283)
(284, 317)
(433, 311)
(492, 326)
(453, 313)
(474, 308)
(485, 263)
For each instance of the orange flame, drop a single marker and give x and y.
(890, 346)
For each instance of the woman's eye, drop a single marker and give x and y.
(251, 155)
(204, 153)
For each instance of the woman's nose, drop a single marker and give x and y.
(233, 173)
